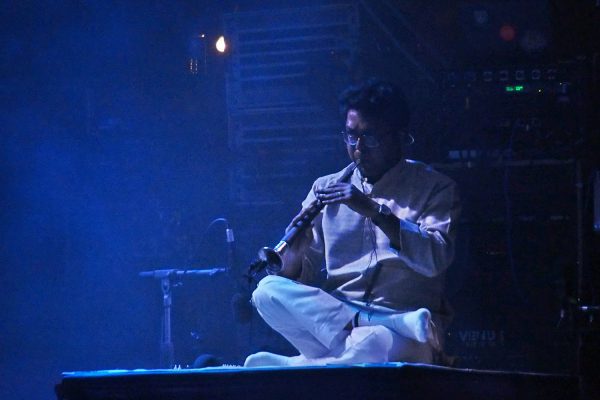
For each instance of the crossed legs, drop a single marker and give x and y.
(319, 327)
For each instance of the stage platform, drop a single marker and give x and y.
(363, 381)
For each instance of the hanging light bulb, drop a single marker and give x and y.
(221, 45)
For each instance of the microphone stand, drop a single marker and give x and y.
(167, 348)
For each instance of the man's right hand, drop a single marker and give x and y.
(293, 256)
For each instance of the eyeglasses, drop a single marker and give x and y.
(351, 139)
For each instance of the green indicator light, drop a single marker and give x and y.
(516, 88)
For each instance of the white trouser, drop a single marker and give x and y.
(313, 321)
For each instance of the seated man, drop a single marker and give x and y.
(385, 236)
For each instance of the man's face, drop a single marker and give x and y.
(374, 160)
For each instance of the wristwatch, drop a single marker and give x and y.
(383, 212)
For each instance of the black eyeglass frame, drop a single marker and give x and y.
(351, 139)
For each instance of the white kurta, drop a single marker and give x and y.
(348, 244)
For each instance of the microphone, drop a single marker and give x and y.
(240, 301)
(230, 248)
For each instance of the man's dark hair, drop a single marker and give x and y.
(376, 99)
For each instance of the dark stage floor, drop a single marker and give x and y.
(363, 381)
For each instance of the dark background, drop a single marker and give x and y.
(116, 158)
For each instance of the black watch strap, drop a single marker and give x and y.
(383, 212)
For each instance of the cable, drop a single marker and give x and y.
(372, 255)
(210, 225)
(213, 222)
